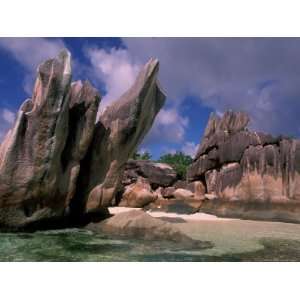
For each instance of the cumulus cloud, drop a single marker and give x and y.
(30, 52)
(7, 118)
(168, 127)
(260, 76)
(189, 148)
(115, 69)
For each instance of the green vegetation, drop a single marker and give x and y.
(179, 161)
(142, 156)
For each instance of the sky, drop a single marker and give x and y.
(199, 75)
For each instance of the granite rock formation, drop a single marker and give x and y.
(155, 186)
(120, 129)
(251, 174)
(158, 174)
(138, 194)
(140, 225)
(56, 161)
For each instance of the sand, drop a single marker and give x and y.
(228, 235)
(159, 214)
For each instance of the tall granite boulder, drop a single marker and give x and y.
(248, 171)
(55, 143)
(120, 129)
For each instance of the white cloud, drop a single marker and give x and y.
(189, 148)
(30, 52)
(169, 126)
(115, 69)
(260, 76)
(8, 116)
(7, 119)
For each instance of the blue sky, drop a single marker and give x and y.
(199, 75)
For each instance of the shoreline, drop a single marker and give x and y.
(196, 217)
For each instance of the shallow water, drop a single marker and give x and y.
(234, 240)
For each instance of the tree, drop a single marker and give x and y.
(179, 161)
(141, 156)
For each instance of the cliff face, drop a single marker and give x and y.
(252, 174)
(56, 162)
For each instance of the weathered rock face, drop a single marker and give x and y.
(138, 194)
(40, 156)
(158, 174)
(153, 186)
(120, 129)
(55, 158)
(240, 166)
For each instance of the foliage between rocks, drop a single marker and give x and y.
(179, 161)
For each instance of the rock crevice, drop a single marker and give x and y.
(57, 161)
(241, 166)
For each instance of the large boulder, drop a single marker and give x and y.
(183, 195)
(120, 129)
(138, 194)
(140, 225)
(196, 187)
(40, 156)
(158, 174)
(240, 167)
(55, 161)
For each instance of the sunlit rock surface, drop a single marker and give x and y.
(56, 161)
(252, 174)
(140, 225)
(120, 129)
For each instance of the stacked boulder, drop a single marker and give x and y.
(247, 174)
(156, 186)
(58, 162)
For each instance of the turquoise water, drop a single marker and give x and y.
(83, 245)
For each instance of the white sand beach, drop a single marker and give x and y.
(228, 235)
(159, 214)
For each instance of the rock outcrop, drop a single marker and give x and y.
(155, 186)
(139, 225)
(120, 129)
(57, 161)
(138, 194)
(158, 174)
(248, 171)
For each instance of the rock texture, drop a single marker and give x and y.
(139, 225)
(247, 169)
(56, 161)
(120, 129)
(138, 194)
(158, 174)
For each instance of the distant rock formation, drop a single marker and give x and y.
(57, 161)
(155, 186)
(250, 174)
(158, 174)
(138, 194)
